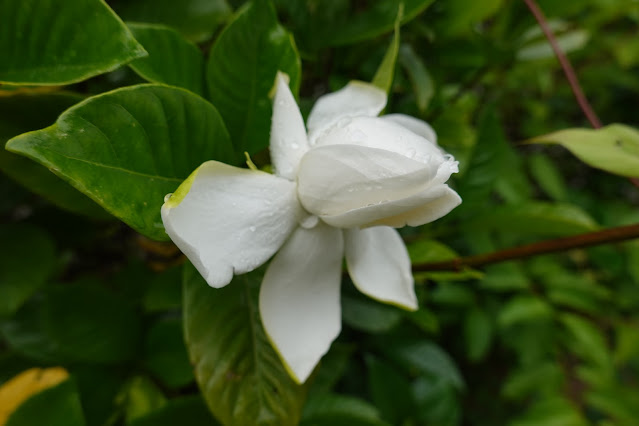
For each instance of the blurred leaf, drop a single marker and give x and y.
(423, 318)
(98, 402)
(372, 22)
(524, 309)
(506, 276)
(61, 404)
(164, 292)
(75, 322)
(241, 72)
(390, 391)
(437, 401)
(545, 378)
(39, 50)
(451, 294)
(555, 411)
(478, 333)
(462, 14)
(589, 342)
(26, 384)
(384, 75)
(339, 410)
(183, 411)
(140, 398)
(25, 266)
(165, 353)
(242, 379)
(547, 176)
(172, 59)
(621, 403)
(426, 358)
(368, 315)
(426, 251)
(419, 76)
(568, 42)
(128, 148)
(535, 218)
(196, 19)
(613, 148)
(16, 117)
(333, 366)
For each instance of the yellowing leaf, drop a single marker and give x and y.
(26, 384)
(614, 148)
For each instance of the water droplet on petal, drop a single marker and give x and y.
(358, 136)
(295, 145)
(167, 197)
(411, 153)
(309, 222)
(252, 229)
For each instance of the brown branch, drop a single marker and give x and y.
(565, 65)
(610, 235)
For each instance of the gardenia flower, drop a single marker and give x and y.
(338, 191)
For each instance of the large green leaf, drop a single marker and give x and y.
(196, 19)
(25, 266)
(614, 148)
(172, 59)
(241, 377)
(384, 75)
(16, 117)
(60, 42)
(422, 82)
(183, 411)
(60, 405)
(241, 72)
(329, 409)
(165, 354)
(128, 148)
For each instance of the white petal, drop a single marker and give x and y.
(300, 297)
(229, 220)
(416, 210)
(338, 180)
(288, 134)
(413, 124)
(383, 134)
(354, 100)
(379, 265)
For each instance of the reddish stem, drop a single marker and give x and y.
(565, 65)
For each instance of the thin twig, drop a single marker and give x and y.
(611, 235)
(565, 65)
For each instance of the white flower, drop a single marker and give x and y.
(338, 192)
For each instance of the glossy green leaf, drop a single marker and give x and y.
(61, 404)
(172, 59)
(183, 411)
(128, 148)
(195, 19)
(165, 353)
(535, 218)
(384, 75)
(16, 117)
(25, 266)
(85, 39)
(419, 76)
(241, 377)
(328, 409)
(372, 22)
(614, 148)
(241, 73)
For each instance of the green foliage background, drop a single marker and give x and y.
(110, 105)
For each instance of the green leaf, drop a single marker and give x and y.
(547, 176)
(128, 148)
(478, 333)
(544, 378)
(555, 411)
(195, 19)
(183, 411)
(85, 39)
(329, 409)
(418, 75)
(426, 251)
(172, 59)
(16, 117)
(614, 148)
(535, 218)
(241, 377)
(390, 391)
(165, 354)
(241, 73)
(80, 322)
(368, 315)
(589, 341)
(60, 405)
(384, 75)
(524, 309)
(25, 266)
(141, 397)
(372, 22)
(437, 401)
(462, 14)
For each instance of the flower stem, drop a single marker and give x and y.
(611, 235)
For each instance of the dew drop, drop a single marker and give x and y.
(252, 229)
(358, 136)
(167, 197)
(411, 153)
(295, 145)
(309, 222)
